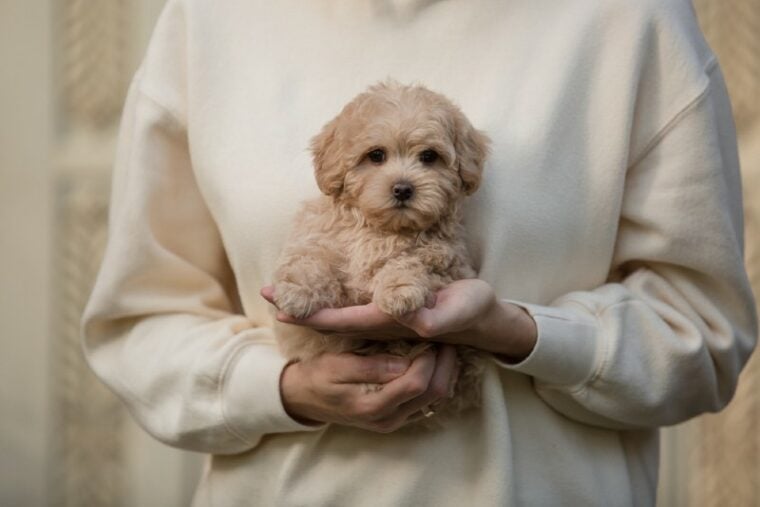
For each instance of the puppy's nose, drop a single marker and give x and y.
(403, 191)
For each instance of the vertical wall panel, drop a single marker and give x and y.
(25, 248)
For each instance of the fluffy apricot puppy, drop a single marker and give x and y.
(394, 167)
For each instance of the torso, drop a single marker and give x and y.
(559, 105)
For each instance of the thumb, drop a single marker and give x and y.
(423, 322)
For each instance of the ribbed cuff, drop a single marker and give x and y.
(251, 399)
(566, 349)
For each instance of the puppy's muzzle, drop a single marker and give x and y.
(403, 191)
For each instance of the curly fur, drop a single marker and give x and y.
(359, 243)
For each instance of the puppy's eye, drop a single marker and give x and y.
(376, 156)
(428, 157)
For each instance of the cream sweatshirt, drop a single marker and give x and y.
(611, 210)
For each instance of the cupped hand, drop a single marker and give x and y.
(379, 392)
(465, 312)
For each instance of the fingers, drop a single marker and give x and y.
(441, 382)
(353, 369)
(434, 319)
(332, 387)
(456, 308)
(348, 319)
(409, 386)
(268, 293)
(378, 411)
(460, 308)
(338, 383)
(420, 389)
(425, 322)
(358, 320)
(335, 387)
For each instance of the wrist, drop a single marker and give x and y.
(528, 332)
(510, 331)
(291, 387)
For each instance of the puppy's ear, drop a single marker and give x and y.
(472, 147)
(328, 164)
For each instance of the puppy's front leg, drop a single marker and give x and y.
(402, 286)
(305, 281)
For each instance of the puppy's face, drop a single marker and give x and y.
(401, 155)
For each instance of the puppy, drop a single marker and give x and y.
(394, 167)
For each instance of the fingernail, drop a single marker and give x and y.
(398, 365)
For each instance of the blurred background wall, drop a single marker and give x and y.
(64, 439)
(714, 460)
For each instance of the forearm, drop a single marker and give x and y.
(665, 339)
(189, 380)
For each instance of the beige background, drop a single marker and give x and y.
(64, 440)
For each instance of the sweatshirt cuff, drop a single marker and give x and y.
(251, 401)
(566, 348)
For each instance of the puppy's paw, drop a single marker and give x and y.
(400, 300)
(296, 300)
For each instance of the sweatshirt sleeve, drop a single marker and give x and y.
(159, 326)
(666, 337)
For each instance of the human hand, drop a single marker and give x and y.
(465, 312)
(340, 388)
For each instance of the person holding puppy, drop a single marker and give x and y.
(611, 296)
